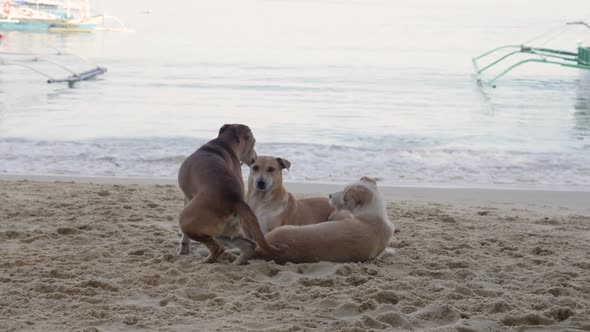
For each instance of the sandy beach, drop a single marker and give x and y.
(102, 257)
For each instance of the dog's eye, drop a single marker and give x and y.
(271, 169)
(255, 168)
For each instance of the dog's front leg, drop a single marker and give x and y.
(185, 246)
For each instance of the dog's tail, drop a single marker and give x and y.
(250, 222)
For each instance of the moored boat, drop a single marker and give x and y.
(49, 15)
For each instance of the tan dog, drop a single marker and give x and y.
(273, 205)
(362, 234)
(211, 180)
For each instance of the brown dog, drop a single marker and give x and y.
(211, 180)
(273, 205)
(361, 235)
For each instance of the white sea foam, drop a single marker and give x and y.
(161, 157)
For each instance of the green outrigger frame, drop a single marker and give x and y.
(580, 60)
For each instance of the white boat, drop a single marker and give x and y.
(52, 16)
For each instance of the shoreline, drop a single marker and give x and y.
(101, 179)
(570, 200)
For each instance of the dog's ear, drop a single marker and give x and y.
(236, 131)
(243, 132)
(356, 196)
(284, 163)
(370, 180)
(223, 128)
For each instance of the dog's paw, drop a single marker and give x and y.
(388, 252)
(184, 250)
(240, 261)
(202, 252)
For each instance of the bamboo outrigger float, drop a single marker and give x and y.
(7, 58)
(579, 59)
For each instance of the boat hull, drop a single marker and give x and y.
(63, 26)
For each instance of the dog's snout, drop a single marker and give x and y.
(330, 196)
(260, 184)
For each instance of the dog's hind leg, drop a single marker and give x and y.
(185, 242)
(245, 245)
(215, 250)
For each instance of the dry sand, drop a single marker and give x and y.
(87, 257)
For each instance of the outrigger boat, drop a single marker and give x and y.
(579, 59)
(52, 16)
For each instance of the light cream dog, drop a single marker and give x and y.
(361, 232)
(273, 205)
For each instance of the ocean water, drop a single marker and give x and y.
(340, 88)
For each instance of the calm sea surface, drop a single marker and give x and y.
(340, 88)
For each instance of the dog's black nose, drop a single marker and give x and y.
(330, 195)
(260, 184)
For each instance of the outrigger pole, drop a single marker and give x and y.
(580, 60)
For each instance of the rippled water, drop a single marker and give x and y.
(340, 88)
